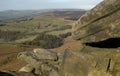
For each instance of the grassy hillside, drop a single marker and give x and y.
(25, 29)
(40, 31)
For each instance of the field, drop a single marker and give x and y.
(25, 34)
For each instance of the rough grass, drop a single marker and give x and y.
(31, 29)
(38, 24)
(37, 20)
(59, 32)
(25, 39)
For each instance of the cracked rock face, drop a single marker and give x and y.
(100, 23)
(41, 61)
(86, 64)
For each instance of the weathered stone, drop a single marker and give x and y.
(95, 27)
(41, 61)
(100, 23)
(45, 54)
(38, 56)
(27, 68)
(54, 73)
(91, 62)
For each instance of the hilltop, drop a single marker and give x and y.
(13, 14)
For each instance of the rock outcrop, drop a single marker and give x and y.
(91, 61)
(41, 61)
(100, 23)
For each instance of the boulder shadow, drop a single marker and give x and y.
(109, 43)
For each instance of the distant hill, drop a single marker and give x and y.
(13, 14)
(68, 14)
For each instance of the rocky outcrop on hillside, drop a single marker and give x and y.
(89, 61)
(100, 23)
(42, 62)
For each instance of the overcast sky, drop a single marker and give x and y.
(46, 4)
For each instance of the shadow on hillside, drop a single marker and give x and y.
(109, 43)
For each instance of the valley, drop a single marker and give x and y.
(50, 30)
